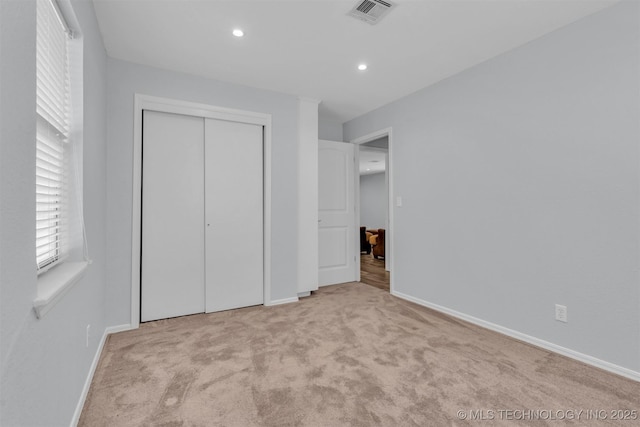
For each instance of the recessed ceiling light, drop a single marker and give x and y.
(238, 32)
(368, 169)
(362, 67)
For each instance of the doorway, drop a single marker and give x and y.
(374, 213)
(374, 218)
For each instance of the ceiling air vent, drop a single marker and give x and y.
(371, 11)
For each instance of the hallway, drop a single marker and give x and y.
(372, 272)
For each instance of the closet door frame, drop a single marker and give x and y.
(167, 105)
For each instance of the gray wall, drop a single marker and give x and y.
(522, 176)
(44, 363)
(124, 80)
(373, 201)
(329, 129)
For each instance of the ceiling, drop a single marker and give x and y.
(312, 48)
(372, 160)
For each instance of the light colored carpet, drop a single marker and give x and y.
(348, 355)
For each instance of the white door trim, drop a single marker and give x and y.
(166, 105)
(390, 232)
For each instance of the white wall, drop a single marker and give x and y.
(44, 362)
(329, 129)
(124, 80)
(307, 195)
(521, 175)
(373, 201)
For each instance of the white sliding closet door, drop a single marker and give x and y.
(234, 214)
(173, 258)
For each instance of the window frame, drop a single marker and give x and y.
(53, 99)
(56, 278)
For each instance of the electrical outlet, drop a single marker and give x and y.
(561, 313)
(88, 333)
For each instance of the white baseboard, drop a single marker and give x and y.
(281, 301)
(92, 370)
(304, 294)
(590, 360)
(119, 328)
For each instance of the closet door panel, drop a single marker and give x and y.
(173, 264)
(234, 214)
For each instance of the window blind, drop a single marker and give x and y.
(52, 135)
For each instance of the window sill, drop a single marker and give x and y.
(56, 282)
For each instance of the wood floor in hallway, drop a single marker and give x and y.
(372, 272)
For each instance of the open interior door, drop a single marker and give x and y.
(336, 213)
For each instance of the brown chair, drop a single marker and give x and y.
(377, 244)
(365, 246)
